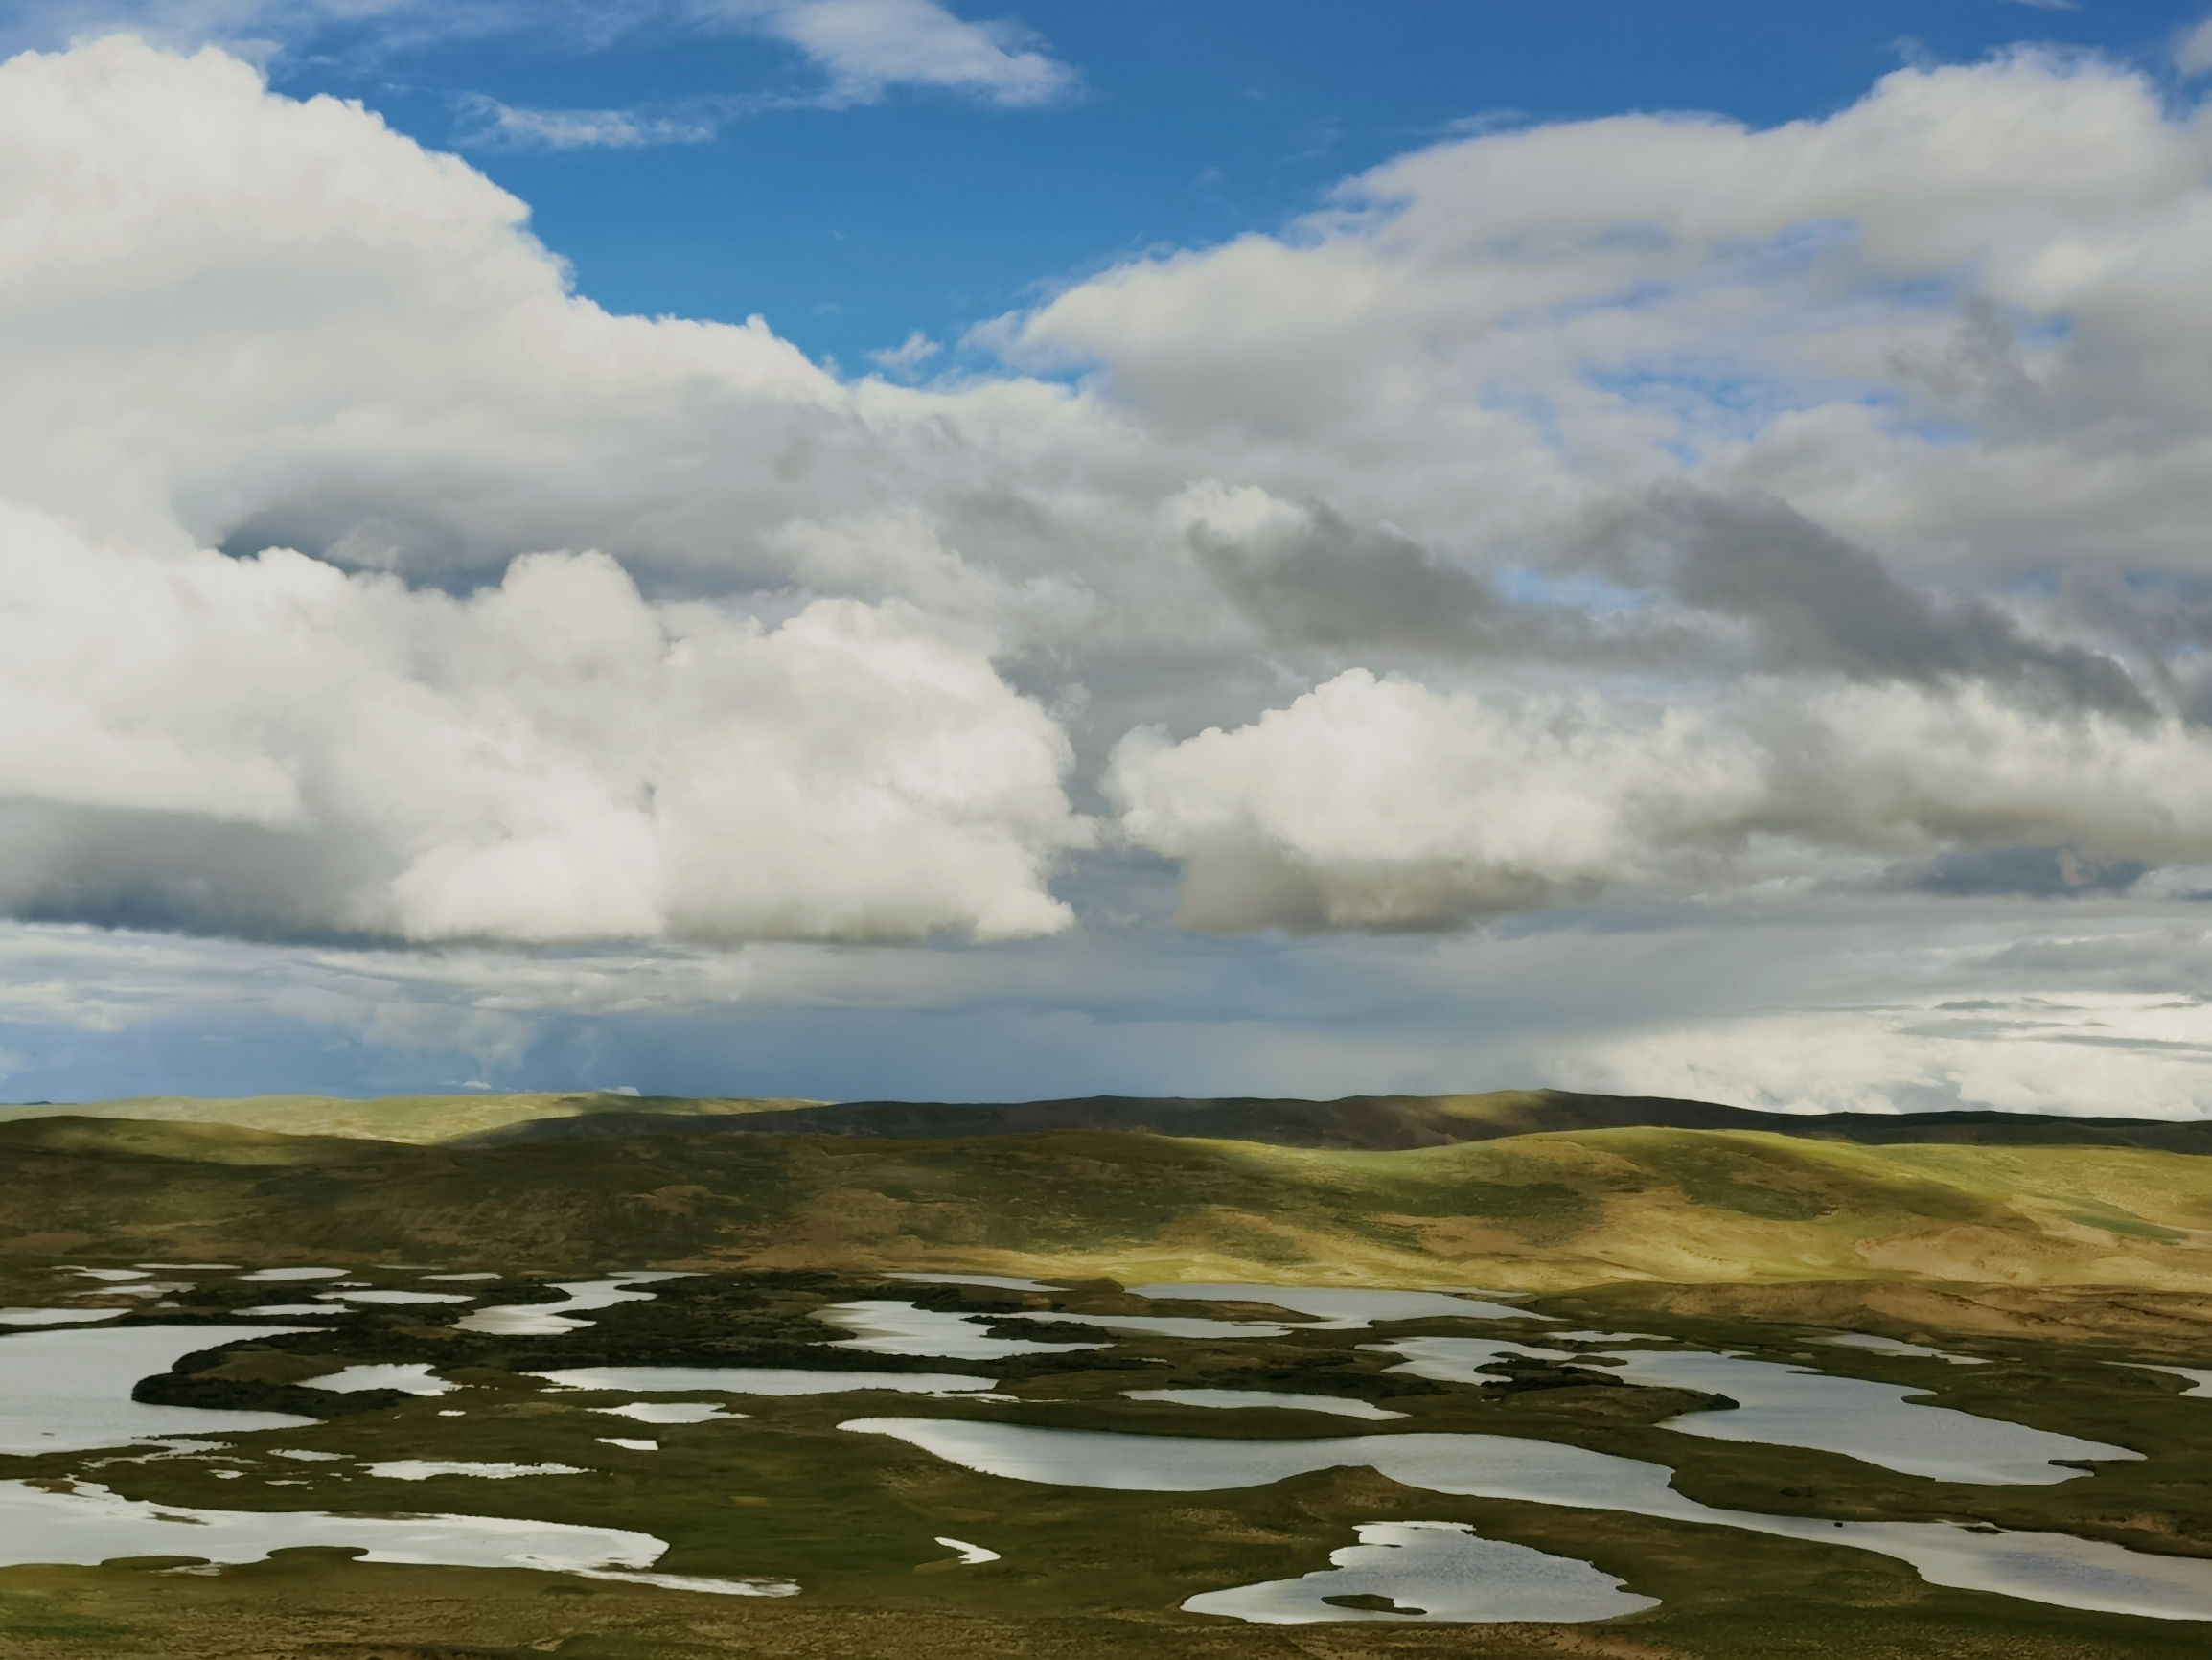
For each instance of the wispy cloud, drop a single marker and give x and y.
(264, 27)
(906, 357)
(2193, 52)
(869, 46)
(864, 48)
(2048, 4)
(487, 124)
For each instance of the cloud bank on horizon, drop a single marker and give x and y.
(1635, 512)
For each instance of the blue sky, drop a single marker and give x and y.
(1183, 125)
(1260, 547)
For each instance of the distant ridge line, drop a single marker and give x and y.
(1378, 1123)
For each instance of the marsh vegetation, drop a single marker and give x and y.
(777, 1436)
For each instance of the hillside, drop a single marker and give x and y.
(1549, 1211)
(412, 1119)
(1351, 1123)
(1378, 1122)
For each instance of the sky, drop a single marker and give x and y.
(901, 548)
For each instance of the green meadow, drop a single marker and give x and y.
(2046, 1263)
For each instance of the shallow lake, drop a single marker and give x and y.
(668, 1411)
(395, 1296)
(2201, 1379)
(1780, 1405)
(2048, 1568)
(422, 1470)
(91, 1524)
(996, 1282)
(1791, 1406)
(1336, 1405)
(1461, 1359)
(888, 1327)
(552, 1318)
(1345, 1309)
(1432, 1572)
(141, 1287)
(1892, 1345)
(1192, 1328)
(760, 1381)
(58, 1316)
(69, 1391)
(357, 1380)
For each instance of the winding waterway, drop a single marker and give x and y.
(2050, 1568)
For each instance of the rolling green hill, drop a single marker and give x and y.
(1374, 1122)
(1352, 1123)
(414, 1119)
(1535, 1211)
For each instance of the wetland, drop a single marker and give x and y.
(670, 1454)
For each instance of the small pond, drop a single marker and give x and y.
(1892, 1345)
(357, 1379)
(1431, 1572)
(552, 1318)
(668, 1411)
(881, 1326)
(2200, 1380)
(1336, 1405)
(1189, 1327)
(58, 1316)
(1791, 1406)
(1780, 1405)
(91, 1524)
(69, 1391)
(761, 1380)
(395, 1296)
(1346, 1308)
(422, 1470)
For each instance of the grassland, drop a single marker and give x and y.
(1535, 1213)
(2048, 1260)
(1370, 1123)
(855, 1518)
(413, 1120)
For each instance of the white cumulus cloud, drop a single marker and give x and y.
(199, 741)
(1639, 504)
(1380, 803)
(1386, 804)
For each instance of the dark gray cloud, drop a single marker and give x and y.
(179, 873)
(1329, 583)
(1817, 601)
(1978, 375)
(1813, 602)
(2034, 872)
